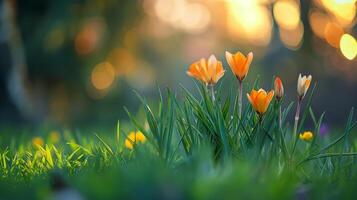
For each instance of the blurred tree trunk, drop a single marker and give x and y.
(19, 89)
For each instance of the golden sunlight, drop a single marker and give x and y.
(287, 14)
(181, 14)
(343, 10)
(249, 20)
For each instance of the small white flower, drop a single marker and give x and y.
(303, 85)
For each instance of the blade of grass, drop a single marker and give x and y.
(105, 144)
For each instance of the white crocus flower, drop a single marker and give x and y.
(303, 85)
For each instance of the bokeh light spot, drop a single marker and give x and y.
(181, 14)
(344, 11)
(348, 46)
(89, 37)
(333, 33)
(103, 76)
(292, 39)
(122, 60)
(287, 14)
(250, 21)
(198, 19)
(318, 23)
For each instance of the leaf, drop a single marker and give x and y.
(118, 132)
(327, 155)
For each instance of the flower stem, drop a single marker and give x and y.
(297, 115)
(240, 99)
(260, 119)
(262, 136)
(282, 138)
(280, 117)
(212, 93)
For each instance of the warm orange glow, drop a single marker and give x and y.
(287, 14)
(333, 34)
(292, 39)
(123, 61)
(318, 23)
(198, 19)
(348, 46)
(260, 100)
(103, 76)
(169, 10)
(87, 39)
(343, 10)
(249, 21)
(190, 17)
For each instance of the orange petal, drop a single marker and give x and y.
(278, 86)
(247, 63)
(219, 72)
(230, 60)
(192, 71)
(253, 94)
(239, 60)
(204, 70)
(211, 65)
(268, 99)
(232, 64)
(249, 58)
(260, 101)
(307, 84)
(251, 100)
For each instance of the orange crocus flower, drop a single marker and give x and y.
(208, 71)
(239, 64)
(260, 100)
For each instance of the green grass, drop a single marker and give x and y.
(195, 148)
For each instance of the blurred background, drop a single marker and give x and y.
(74, 63)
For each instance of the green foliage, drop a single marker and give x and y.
(199, 136)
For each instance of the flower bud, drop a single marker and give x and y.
(278, 88)
(303, 85)
(306, 136)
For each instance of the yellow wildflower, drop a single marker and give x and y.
(134, 138)
(306, 136)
